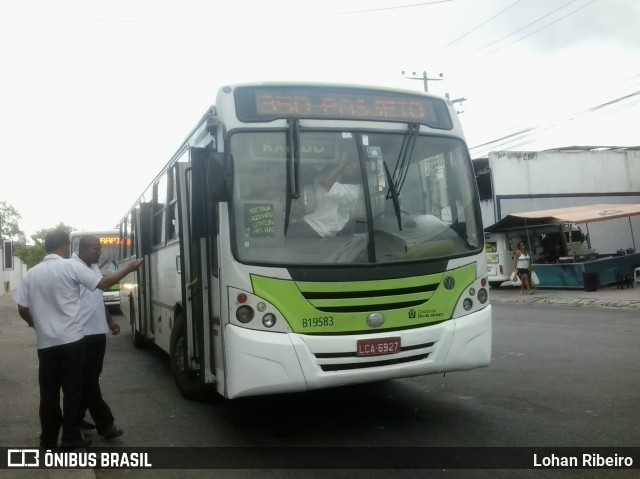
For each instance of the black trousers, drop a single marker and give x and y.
(95, 347)
(61, 367)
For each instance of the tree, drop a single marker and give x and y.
(33, 254)
(9, 218)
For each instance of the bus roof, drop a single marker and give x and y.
(74, 234)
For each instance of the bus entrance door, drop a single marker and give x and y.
(192, 342)
(141, 325)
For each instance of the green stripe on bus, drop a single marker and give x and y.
(338, 313)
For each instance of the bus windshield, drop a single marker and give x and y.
(108, 262)
(352, 197)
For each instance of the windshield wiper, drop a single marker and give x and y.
(393, 194)
(396, 181)
(404, 158)
(293, 169)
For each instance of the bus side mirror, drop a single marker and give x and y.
(220, 176)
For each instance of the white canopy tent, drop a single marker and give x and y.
(573, 214)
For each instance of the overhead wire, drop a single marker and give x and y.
(623, 101)
(480, 25)
(397, 7)
(525, 135)
(526, 26)
(509, 140)
(545, 26)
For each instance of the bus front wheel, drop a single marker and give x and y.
(188, 382)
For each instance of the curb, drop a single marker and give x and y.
(567, 301)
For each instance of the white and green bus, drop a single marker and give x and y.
(108, 262)
(246, 301)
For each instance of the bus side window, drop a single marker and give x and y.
(132, 247)
(172, 217)
(159, 210)
(123, 240)
(126, 238)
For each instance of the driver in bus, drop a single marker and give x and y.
(338, 191)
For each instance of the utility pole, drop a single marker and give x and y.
(425, 78)
(457, 100)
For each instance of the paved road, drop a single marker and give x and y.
(560, 376)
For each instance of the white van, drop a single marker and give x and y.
(500, 259)
(550, 243)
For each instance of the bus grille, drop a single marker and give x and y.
(352, 301)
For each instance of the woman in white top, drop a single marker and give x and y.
(523, 266)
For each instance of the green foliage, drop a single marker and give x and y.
(30, 255)
(33, 254)
(9, 221)
(39, 236)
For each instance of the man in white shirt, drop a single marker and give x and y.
(48, 300)
(96, 322)
(337, 193)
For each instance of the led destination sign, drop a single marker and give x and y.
(267, 103)
(109, 240)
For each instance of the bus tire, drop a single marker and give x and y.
(187, 382)
(138, 340)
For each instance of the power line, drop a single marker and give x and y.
(506, 137)
(528, 134)
(521, 135)
(613, 102)
(545, 26)
(393, 8)
(480, 25)
(525, 26)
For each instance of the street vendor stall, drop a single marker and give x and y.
(562, 262)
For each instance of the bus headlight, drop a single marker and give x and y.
(244, 314)
(269, 320)
(467, 304)
(483, 295)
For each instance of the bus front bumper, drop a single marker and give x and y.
(259, 362)
(111, 298)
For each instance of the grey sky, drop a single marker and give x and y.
(96, 96)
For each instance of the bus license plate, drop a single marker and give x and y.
(378, 346)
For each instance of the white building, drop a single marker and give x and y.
(11, 275)
(520, 181)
